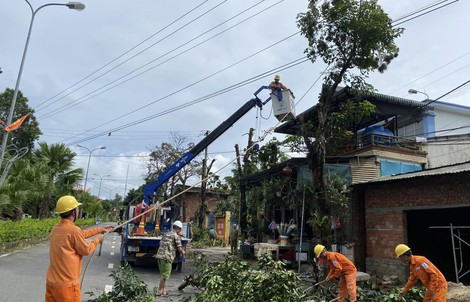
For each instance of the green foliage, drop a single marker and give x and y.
(340, 123)
(11, 231)
(234, 280)
(200, 237)
(127, 287)
(349, 34)
(34, 184)
(327, 293)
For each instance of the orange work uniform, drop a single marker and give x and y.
(434, 281)
(67, 248)
(277, 84)
(342, 267)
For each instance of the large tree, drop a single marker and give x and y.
(353, 38)
(29, 132)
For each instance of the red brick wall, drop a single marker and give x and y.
(380, 223)
(192, 203)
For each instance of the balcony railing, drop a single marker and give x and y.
(374, 139)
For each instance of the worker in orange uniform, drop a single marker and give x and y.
(341, 267)
(67, 248)
(277, 84)
(421, 268)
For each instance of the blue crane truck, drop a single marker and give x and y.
(133, 246)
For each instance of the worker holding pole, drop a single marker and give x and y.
(421, 268)
(340, 267)
(67, 248)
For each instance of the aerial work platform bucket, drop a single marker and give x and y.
(284, 110)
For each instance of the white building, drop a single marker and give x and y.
(446, 129)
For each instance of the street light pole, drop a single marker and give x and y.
(101, 179)
(89, 159)
(72, 5)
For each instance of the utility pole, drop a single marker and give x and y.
(125, 186)
(203, 206)
(243, 171)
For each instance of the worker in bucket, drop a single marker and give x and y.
(170, 243)
(67, 248)
(342, 268)
(276, 84)
(421, 268)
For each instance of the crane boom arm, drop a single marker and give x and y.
(151, 189)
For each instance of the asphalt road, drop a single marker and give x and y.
(23, 273)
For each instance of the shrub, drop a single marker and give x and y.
(11, 231)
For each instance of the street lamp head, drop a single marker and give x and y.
(414, 91)
(76, 6)
(103, 147)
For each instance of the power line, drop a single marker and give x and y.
(153, 117)
(425, 13)
(126, 52)
(193, 102)
(74, 103)
(442, 66)
(419, 10)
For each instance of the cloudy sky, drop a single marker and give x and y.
(140, 69)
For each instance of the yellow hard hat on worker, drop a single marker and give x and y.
(277, 77)
(401, 249)
(66, 203)
(318, 250)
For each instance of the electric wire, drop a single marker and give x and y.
(234, 86)
(193, 102)
(425, 13)
(123, 54)
(75, 102)
(425, 75)
(419, 10)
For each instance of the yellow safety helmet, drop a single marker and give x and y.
(66, 203)
(401, 249)
(277, 77)
(318, 249)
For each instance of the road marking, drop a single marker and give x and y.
(108, 288)
(112, 246)
(112, 253)
(111, 265)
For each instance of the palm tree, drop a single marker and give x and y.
(20, 188)
(59, 162)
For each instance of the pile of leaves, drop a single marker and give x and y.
(236, 280)
(127, 287)
(324, 293)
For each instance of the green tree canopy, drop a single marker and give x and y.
(353, 38)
